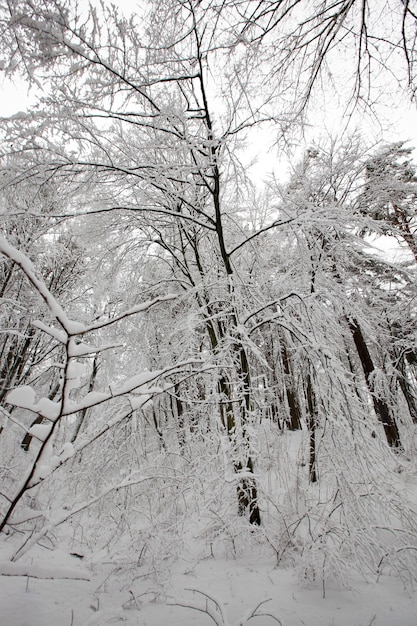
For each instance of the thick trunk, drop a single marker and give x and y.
(381, 408)
(312, 426)
(294, 423)
(408, 391)
(179, 408)
(247, 493)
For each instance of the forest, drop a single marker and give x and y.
(208, 347)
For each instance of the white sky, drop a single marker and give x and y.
(14, 97)
(395, 119)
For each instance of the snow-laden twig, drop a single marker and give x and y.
(71, 327)
(217, 617)
(24, 397)
(397, 551)
(28, 269)
(139, 308)
(44, 462)
(67, 514)
(9, 416)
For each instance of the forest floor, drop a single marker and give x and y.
(188, 574)
(238, 586)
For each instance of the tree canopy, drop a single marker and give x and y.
(166, 319)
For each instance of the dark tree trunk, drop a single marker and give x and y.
(180, 416)
(312, 426)
(402, 221)
(247, 493)
(381, 408)
(274, 411)
(407, 391)
(294, 423)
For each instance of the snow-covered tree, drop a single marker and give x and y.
(390, 192)
(262, 315)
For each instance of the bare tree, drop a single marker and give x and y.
(312, 41)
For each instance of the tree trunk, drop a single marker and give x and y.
(294, 423)
(83, 413)
(312, 425)
(247, 493)
(406, 383)
(381, 408)
(179, 407)
(409, 396)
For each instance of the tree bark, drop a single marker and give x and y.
(312, 425)
(294, 423)
(381, 408)
(83, 413)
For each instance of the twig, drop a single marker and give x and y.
(256, 614)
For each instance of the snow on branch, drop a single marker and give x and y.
(62, 517)
(55, 333)
(45, 461)
(25, 398)
(139, 308)
(71, 327)
(138, 384)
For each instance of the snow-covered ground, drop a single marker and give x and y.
(176, 567)
(116, 595)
